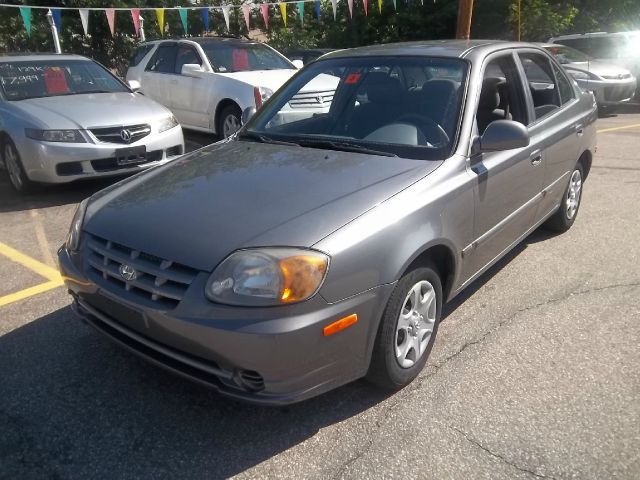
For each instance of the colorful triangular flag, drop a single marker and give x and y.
(56, 13)
(135, 16)
(246, 13)
(183, 19)
(334, 6)
(204, 13)
(26, 19)
(84, 18)
(264, 8)
(225, 13)
(111, 19)
(301, 11)
(160, 17)
(350, 2)
(318, 9)
(283, 13)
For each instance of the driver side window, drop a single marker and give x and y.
(501, 95)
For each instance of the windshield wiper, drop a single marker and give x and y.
(265, 139)
(91, 91)
(344, 147)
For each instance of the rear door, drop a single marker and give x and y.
(555, 126)
(159, 73)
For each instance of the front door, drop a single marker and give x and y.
(508, 182)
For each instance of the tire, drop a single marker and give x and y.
(563, 219)
(229, 116)
(13, 164)
(394, 363)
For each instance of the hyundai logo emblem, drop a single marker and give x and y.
(319, 99)
(128, 272)
(125, 135)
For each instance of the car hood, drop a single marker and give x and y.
(598, 68)
(91, 110)
(199, 209)
(272, 79)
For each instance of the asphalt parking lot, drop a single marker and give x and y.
(534, 373)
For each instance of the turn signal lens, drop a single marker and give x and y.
(301, 277)
(340, 325)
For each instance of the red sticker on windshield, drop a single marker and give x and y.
(55, 81)
(352, 78)
(240, 59)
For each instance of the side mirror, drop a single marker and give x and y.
(191, 70)
(247, 114)
(298, 64)
(134, 85)
(504, 135)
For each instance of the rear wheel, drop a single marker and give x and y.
(229, 121)
(17, 176)
(563, 219)
(408, 329)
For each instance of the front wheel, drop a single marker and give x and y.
(229, 121)
(17, 176)
(408, 329)
(563, 219)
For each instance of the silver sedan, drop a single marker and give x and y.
(612, 85)
(65, 117)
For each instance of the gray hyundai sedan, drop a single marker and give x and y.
(301, 255)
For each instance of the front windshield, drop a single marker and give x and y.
(238, 57)
(566, 55)
(404, 106)
(21, 80)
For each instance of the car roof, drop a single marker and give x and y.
(201, 40)
(594, 34)
(436, 48)
(23, 57)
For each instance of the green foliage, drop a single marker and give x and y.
(410, 20)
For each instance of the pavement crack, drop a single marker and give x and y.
(534, 306)
(477, 444)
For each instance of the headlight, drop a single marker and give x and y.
(267, 276)
(167, 124)
(68, 136)
(578, 75)
(261, 95)
(73, 238)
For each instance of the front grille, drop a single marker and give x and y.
(618, 93)
(69, 168)
(320, 99)
(158, 283)
(123, 134)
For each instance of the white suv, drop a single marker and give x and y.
(208, 82)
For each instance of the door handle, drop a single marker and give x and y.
(579, 129)
(536, 158)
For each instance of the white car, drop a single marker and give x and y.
(208, 82)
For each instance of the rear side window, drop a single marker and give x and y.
(581, 44)
(542, 84)
(564, 87)
(163, 60)
(138, 54)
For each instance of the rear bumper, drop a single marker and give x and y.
(270, 356)
(50, 162)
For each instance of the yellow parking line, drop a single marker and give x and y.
(41, 236)
(29, 292)
(618, 128)
(40, 268)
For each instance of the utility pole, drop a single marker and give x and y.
(465, 11)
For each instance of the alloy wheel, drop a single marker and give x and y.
(12, 165)
(415, 324)
(230, 125)
(573, 194)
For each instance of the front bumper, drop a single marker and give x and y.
(610, 92)
(270, 356)
(51, 162)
